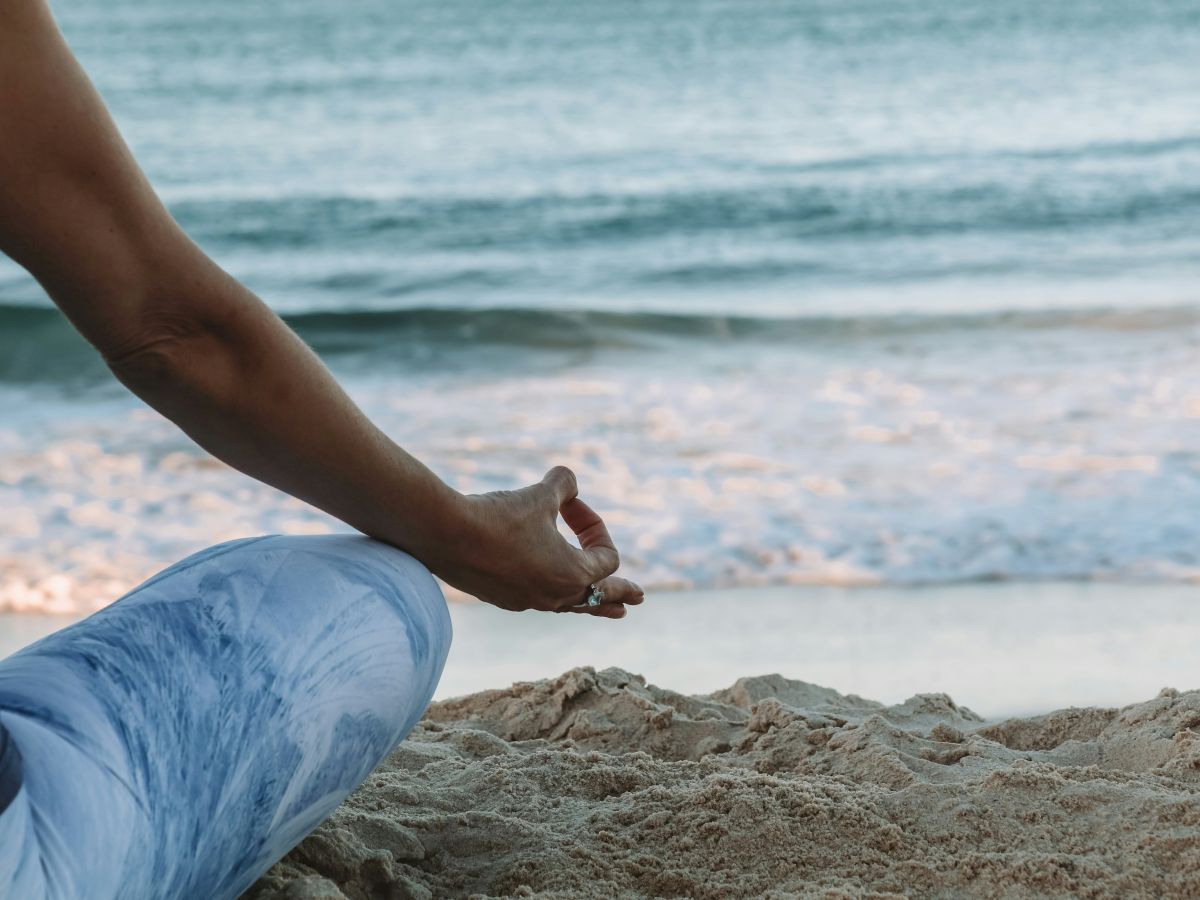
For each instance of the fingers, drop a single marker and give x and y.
(596, 544)
(603, 611)
(618, 593)
(621, 590)
(594, 539)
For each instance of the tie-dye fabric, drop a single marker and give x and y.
(177, 743)
(10, 770)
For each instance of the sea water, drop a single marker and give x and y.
(806, 291)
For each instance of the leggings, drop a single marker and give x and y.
(179, 742)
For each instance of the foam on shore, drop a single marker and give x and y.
(599, 785)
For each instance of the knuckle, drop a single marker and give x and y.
(542, 494)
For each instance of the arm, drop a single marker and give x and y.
(77, 212)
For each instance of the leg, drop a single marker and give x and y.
(177, 743)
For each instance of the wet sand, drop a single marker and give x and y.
(1005, 648)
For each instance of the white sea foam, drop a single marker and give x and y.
(984, 455)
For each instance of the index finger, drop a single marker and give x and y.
(593, 536)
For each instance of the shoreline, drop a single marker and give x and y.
(1004, 648)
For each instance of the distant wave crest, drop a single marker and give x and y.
(37, 344)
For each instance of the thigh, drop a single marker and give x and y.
(224, 707)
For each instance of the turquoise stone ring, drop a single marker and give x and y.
(594, 598)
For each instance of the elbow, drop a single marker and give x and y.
(149, 362)
(203, 345)
(152, 345)
(176, 331)
(167, 358)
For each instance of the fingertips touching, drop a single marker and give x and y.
(603, 611)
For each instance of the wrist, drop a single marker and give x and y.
(434, 524)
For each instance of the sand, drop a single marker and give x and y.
(595, 784)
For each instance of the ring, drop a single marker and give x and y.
(594, 598)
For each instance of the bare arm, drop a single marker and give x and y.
(78, 213)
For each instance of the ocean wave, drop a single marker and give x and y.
(1052, 446)
(788, 321)
(38, 345)
(975, 196)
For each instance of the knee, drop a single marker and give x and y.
(383, 612)
(347, 570)
(282, 591)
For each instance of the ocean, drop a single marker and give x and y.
(829, 292)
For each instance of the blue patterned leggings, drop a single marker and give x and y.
(176, 744)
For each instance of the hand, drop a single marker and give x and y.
(506, 550)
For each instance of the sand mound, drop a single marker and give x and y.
(599, 785)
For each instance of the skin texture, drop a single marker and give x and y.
(185, 336)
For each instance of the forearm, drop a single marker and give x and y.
(221, 365)
(78, 213)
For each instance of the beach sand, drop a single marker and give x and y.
(593, 785)
(596, 784)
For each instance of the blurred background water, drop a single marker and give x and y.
(828, 291)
